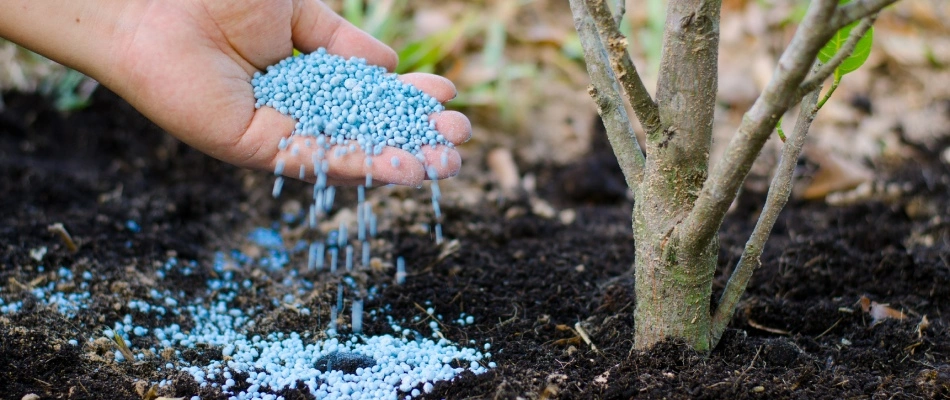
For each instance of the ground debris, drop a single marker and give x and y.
(879, 312)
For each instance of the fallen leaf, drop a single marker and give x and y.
(502, 165)
(576, 340)
(865, 303)
(878, 311)
(881, 312)
(152, 393)
(834, 174)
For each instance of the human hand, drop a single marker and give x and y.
(188, 65)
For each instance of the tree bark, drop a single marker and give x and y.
(673, 287)
(606, 94)
(679, 204)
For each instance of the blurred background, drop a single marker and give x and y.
(520, 73)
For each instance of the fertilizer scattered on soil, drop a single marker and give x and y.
(404, 364)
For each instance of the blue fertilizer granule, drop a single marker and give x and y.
(345, 104)
(400, 365)
(349, 101)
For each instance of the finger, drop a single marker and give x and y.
(443, 161)
(315, 25)
(454, 126)
(257, 148)
(352, 182)
(346, 164)
(436, 86)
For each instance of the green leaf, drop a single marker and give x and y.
(857, 58)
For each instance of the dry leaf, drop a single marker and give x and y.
(152, 393)
(865, 303)
(834, 174)
(879, 312)
(576, 340)
(502, 165)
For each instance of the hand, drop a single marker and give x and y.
(188, 64)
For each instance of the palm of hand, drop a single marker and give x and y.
(190, 64)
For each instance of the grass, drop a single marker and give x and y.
(26, 71)
(476, 38)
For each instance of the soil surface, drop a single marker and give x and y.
(532, 281)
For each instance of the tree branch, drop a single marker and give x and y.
(616, 45)
(620, 8)
(816, 79)
(610, 105)
(779, 191)
(722, 186)
(856, 10)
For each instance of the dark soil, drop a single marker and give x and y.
(799, 333)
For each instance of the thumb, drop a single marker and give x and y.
(315, 25)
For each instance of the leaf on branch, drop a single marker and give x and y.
(857, 58)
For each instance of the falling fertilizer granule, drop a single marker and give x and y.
(340, 105)
(345, 106)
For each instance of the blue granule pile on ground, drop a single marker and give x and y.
(254, 365)
(349, 100)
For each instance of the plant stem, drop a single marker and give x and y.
(779, 192)
(816, 79)
(831, 91)
(722, 186)
(620, 8)
(780, 131)
(856, 10)
(616, 45)
(606, 94)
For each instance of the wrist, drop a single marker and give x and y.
(84, 35)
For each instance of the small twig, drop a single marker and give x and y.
(831, 91)
(620, 8)
(606, 94)
(616, 45)
(780, 131)
(830, 328)
(764, 328)
(514, 317)
(779, 192)
(745, 371)
(60, 230)
(426, 312)
(856, 10)
(20, 286)
(816, 79)
(584, 336)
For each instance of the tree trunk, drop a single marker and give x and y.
(673, 287)
(673, 292)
